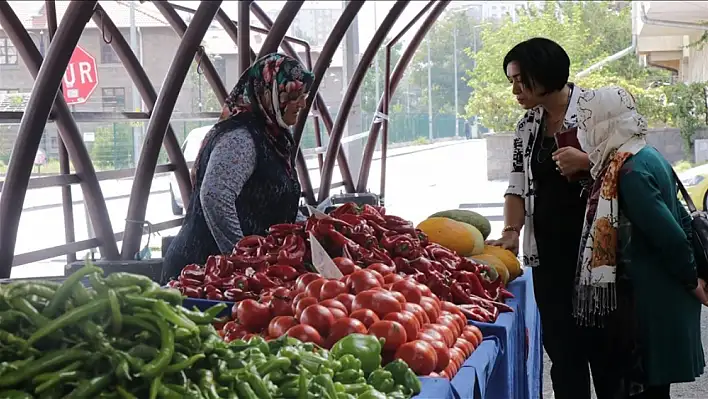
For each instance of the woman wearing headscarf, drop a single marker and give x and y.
(244, 179)
(636, 265)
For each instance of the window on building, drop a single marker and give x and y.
(113, 99)
(53, 143)
(9, 91)
(108, 56)
(8, 52)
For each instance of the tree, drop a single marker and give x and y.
(588, 31)
(112, 148)
(201, 90)
(453, 26)
(367, 92)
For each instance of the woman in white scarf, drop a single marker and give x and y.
(634, 220)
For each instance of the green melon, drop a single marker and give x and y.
(469, 217)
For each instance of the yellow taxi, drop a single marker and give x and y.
(696, 182)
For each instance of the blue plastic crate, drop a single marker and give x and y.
(204, 304)
(435, 388)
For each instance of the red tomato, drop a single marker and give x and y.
(345, 279)
(343, 327)
(383, 269)
(381, 302)
(305, 333)
(452, 308)
(391, 331)
(418, 311)
(315, 288)
(425, 290)
(319, 317)
(409, 290)
(392, 278)
(304, 302)
(476, 332)
(281, 306)
(430, 335)
(362, 280)
(378, 276)
(346, 300)
(280, 325)
(252, 315)
(334, 304)
(442, 353)
(470, 337)
(305, 279)
(464, 346)
(337, 313)
(407, 320)
(450, 322)
(431, 308)
(298, 297)
(399, 297)
(450, 371)
(231, 325)
(366, 316)
(419, 356)
(235, 333)
(345, 265)
(457, 356)
(332, 288)
(444, 331)
(459, 320)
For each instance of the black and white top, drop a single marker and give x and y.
(521, 182)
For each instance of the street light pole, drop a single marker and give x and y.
(376, 64)
(454, 63)
(430, 93)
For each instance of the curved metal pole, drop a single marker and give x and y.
(48, 78)
(231, 29)
(201, 57)
(396, 76)
(280, 27)
(357, 79)
(324, 114)
(148, 94)
(244, 35)
(158, 124)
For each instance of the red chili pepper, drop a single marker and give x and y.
(438, 252)
(477, 313)
(193, 274)
(505, 294)
(473, 281)
(391, 220)
(250, 242)
(288, 228)
(378, 229)
(215, 295)
(468, 265)
(348, 208)
(422, 237)
(237, 294)
(380, 209)
(260, 281)
(192, 292)
(236, 281)
(370, 213)
(189, 282)
(364, 239)
(380, 256)
(422, 265)
(209, 287)
(283, 272)
(353, 220)
(193, 266)
(336, 239)
(242, 262)
(174, 284)
(439, 287)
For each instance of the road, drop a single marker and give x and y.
(420, 181)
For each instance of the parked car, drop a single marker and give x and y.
(190, 148)
(696, 182)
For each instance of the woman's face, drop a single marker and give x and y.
(293, 107)
(524, 95)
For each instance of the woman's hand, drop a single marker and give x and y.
(571, 160)
(700, 292)
(509, 240)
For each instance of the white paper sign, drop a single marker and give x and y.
(321, 260)
(317, 214)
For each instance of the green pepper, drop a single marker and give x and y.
(25, 290)
(343, 395)
(167, 349)
(143, 351)
(124, 393)
(47, 362)
(372, 394)
(170, 295)
(73, 317)
(162, 309)
(173, 368)
(325, 382)
(302, 383)
(244, 391)
(366, 348)
(90, 388)
(349, 362)
(206, 382)
(348, 376)
(382, 380)
(155, 386)
(398, 394)
(354, 389)
(58, 379)
(12, 339)
(278, 363)
(15, 395)
(24, 306)
(256, 384)
(258, 342)
(137, 322)
(97, 283)
(403, 375)
(11, 318)
(116, 316)
(62, 294)
(121, 279)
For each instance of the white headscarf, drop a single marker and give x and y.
(608, 121)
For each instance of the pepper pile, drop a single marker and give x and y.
(431, 335)
(123, 336)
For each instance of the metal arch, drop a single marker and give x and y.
(178, 25)
(149, 96)
(396, 76)
(231, 29)
(348, 100)
(244, 35)
(324, 113)
(280, 27)
(44, 93)
(157, 126)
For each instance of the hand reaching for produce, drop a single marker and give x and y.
(509, 240)
(701, 293)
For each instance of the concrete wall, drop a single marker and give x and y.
(499, 149)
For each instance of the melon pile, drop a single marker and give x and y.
(464, 232)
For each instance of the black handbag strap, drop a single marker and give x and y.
(686, 197)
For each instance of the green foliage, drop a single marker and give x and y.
(588, 31)
(112, 148)
(367, 92)
(198, 83)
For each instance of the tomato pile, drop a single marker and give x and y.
(365, 237)
(429, 334)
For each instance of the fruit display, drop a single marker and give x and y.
(430, 335)
(123, 336)
(470, 217)
(460, 237)
(356, 237)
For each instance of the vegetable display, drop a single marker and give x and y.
(369, 313)
(357, 237)
(123, 336)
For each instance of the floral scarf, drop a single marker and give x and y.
(610, 130)
(260, 97)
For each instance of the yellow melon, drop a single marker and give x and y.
(462, 238)
(496, 263)
(507, 257)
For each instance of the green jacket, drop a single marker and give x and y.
(659, 262)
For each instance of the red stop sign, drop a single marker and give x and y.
(80, 78)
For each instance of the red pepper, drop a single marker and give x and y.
(378, 229)
(209, 288)
(353, 220)
(364, 239)
(283, 272)
(292, 252)
(380, 209)
(474, 283)
(468, 265)
(479, 314)
(260, 281)
(370, 213)
(348, 208)
(439, 252)
(191, 292)
(242, 262)
(335, 239)
(193, 266)
(189, 282)
(439, 287)
(391, 220)
(193, 274)
(215, 295)
(239, 281)
(174, 284)
(212, 280)
(287, 228)
(404, 266)
(422, 265)
(237, 294)
(422, 237)
(250, 242)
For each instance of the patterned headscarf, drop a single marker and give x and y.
(610, 130)
(261, 95)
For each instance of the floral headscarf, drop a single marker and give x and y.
(263, 91)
